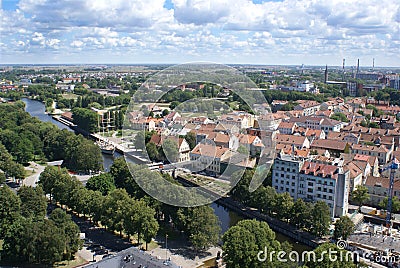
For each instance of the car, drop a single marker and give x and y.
(97, 248)
(92, 246)
(107, 256)
(101, 251)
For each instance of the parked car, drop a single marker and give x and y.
(101, 251)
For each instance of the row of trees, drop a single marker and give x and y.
(252, 244)
(114, 208)
(28, 236)
(26, 138)
(116, 201)
(9, 167)
(312, 217)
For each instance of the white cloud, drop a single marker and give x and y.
(234, 30)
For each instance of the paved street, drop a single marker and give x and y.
(33, 171)
(131, 258)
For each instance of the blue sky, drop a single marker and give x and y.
(310, 32)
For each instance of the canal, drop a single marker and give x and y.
(226, 217)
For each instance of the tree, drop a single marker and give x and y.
(70, 231)
(49, 177)
(243, 242)
(171, 150)
(201, 225)
(374, 125)
(140, 218)
(139, 141)
(324, 260)
(395, 203)
(33, 202)
(114, 210)
(283, 206)
(320, 219)
(120, 172)
(152, 151)
(9, 209)
(165, 112)
(340, 117)
(103, 183)
(301, 213)
(344, 227)
(190, 137)
(34, 242)
(86, 119)
(360, 195)
(85, 156)
(243, 150)
(95, 205)
(2, 178)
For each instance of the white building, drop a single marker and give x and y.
(312, 182)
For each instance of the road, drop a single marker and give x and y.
(131, 258)
(33, 170)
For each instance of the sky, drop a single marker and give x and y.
(288, 32)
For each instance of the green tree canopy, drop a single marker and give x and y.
(103, 183)
(320, 219)
(33, 202)
(201, 225)
(344, 227)
(395, 204)
(360, 195)
(323, 260)
(9, 209)
(243, 242)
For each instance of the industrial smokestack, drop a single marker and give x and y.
(344, 61)
(326, 73)
(373, 64)
(358, 66)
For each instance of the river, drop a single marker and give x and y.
(226, 217)
(37, 109)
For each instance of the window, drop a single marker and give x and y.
(310, 190)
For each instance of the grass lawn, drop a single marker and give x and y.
(150, 246)
(1, 244)
(70, 96)
(70, 264)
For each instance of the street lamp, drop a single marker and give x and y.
(166, 247)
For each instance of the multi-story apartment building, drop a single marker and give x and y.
(312, 182)
(307, 107)
(381, 152)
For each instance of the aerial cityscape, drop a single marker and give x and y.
(199, 134)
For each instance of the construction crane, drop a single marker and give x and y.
(393, 167)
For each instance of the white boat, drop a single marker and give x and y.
(106, 148)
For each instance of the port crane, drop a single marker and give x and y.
(394, 165)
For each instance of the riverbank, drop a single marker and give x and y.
(227, 218)
(250, 213)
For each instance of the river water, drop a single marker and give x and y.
(226, 217)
